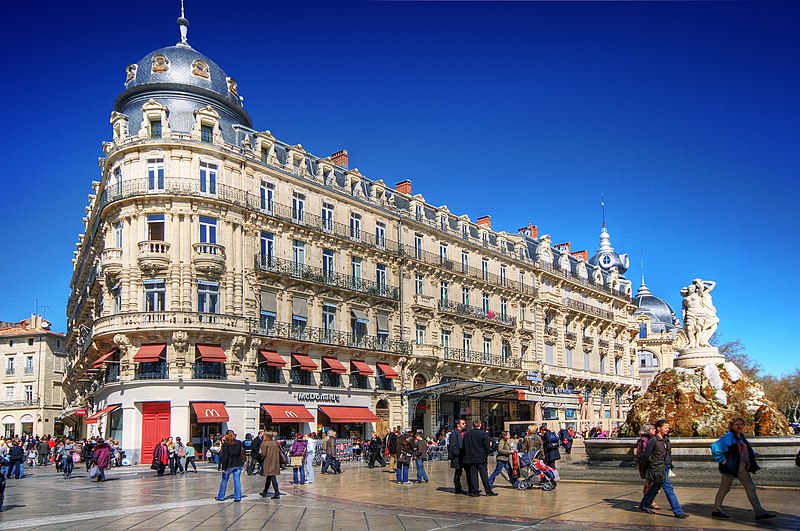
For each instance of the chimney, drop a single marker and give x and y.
(566, 246)
(583, 255)
(484, 221)
(531, 231)
(340, 158)
(403, 187)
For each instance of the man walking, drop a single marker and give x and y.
(476, 455)
(44, 452)
(658, 461)
(455, 452)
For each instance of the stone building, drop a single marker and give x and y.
(658, 332)
(33, 360)
(227, 278)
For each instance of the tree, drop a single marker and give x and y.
(735, 352)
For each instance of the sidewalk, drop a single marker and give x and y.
(361, 499)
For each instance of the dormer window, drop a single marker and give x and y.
(206, 133)
(160, 63)
(418, 212)
(155, 128)
(444, 223)
(200, 69)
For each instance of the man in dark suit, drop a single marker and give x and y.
(455, 452)
(476, 454)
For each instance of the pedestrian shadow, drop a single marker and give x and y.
(7, 506)
(449, 490)
(743, 517)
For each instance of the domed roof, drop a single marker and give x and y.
(662, 318)
(182, 65)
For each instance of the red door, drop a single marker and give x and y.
(155, 426)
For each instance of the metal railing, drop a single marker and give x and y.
(209, 370)
(358, 381)
(265, 373)
(152, 371)
(475, 312)
(383, 383)
(586, 308)
(330, 379)
(12, 404)
(329, 337)
(300, 377)
(482, 358)
(280, 266)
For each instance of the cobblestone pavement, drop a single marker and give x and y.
(133, 498)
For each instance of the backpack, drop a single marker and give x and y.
(551, 441)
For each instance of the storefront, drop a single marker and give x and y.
(348, 422)
(206, 420)
(92, 422)
(286, 420)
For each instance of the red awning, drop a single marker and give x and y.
(362, 368)
(273, 358)
(283, 413)
(522, 395)
(335, 365)
(212, 353)
(150, 353)
(102, 359)
(94, 417)
(387, 370)
(339, 414)
(209, 412)
(306, 363)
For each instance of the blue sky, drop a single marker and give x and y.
(683, 114)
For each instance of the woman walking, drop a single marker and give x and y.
(298, 456)
(102, 458)
(231, 457)
(646, 431)
(504, 451)
(190, 454)
(271, 460)
(736, 461)
(65, 456)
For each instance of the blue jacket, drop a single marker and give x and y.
(727, 450)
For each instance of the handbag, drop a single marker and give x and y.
(404, 458)
(297, 461)
(76, 457)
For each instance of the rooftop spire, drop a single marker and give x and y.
(183, 25)
(603, 206)
(641, 252)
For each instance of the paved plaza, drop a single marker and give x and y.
(133, 498)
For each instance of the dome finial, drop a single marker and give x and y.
(183, 25)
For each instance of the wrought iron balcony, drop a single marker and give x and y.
(483, 358)
(209, 370)
(358, 381)
(112, 373)
(383, 383)
(586, 308)
(329, 337)
(474, 312)
(13, 404)
(551, 331)
(300, 377)
(602, 343)
(316, 275)
(265, 373)
(570, 336)
(152, 371)
(330, 379)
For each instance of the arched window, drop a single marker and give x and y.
(648, 361)
(603, 393)
(587, 392)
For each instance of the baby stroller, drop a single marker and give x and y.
(532, 472)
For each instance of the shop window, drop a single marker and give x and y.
(570, 414)
(550, 413)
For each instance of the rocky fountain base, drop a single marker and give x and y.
(698, 403)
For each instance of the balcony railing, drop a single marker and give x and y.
(209, 370)
(602, 343)
(570, 336)
(317, 275)
(586, 308)
(475, 312)
(112, 372)
(300, 377)
(551, 331)
(483, 358)
(265, 373)
(13, 404)
(358, 381)
(383, 383)
(328, 337)
(152, 371)
(330, 379)
(169, 320)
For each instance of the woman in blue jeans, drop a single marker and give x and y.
(231, 457)
(297, 453)
(503, 454)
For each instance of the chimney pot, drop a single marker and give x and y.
(341, 158)
(403, 187)
(485, 221)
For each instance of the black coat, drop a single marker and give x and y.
(455, 449)
(232, 455)
(476, 447)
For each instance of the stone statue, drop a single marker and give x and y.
(699, 324)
